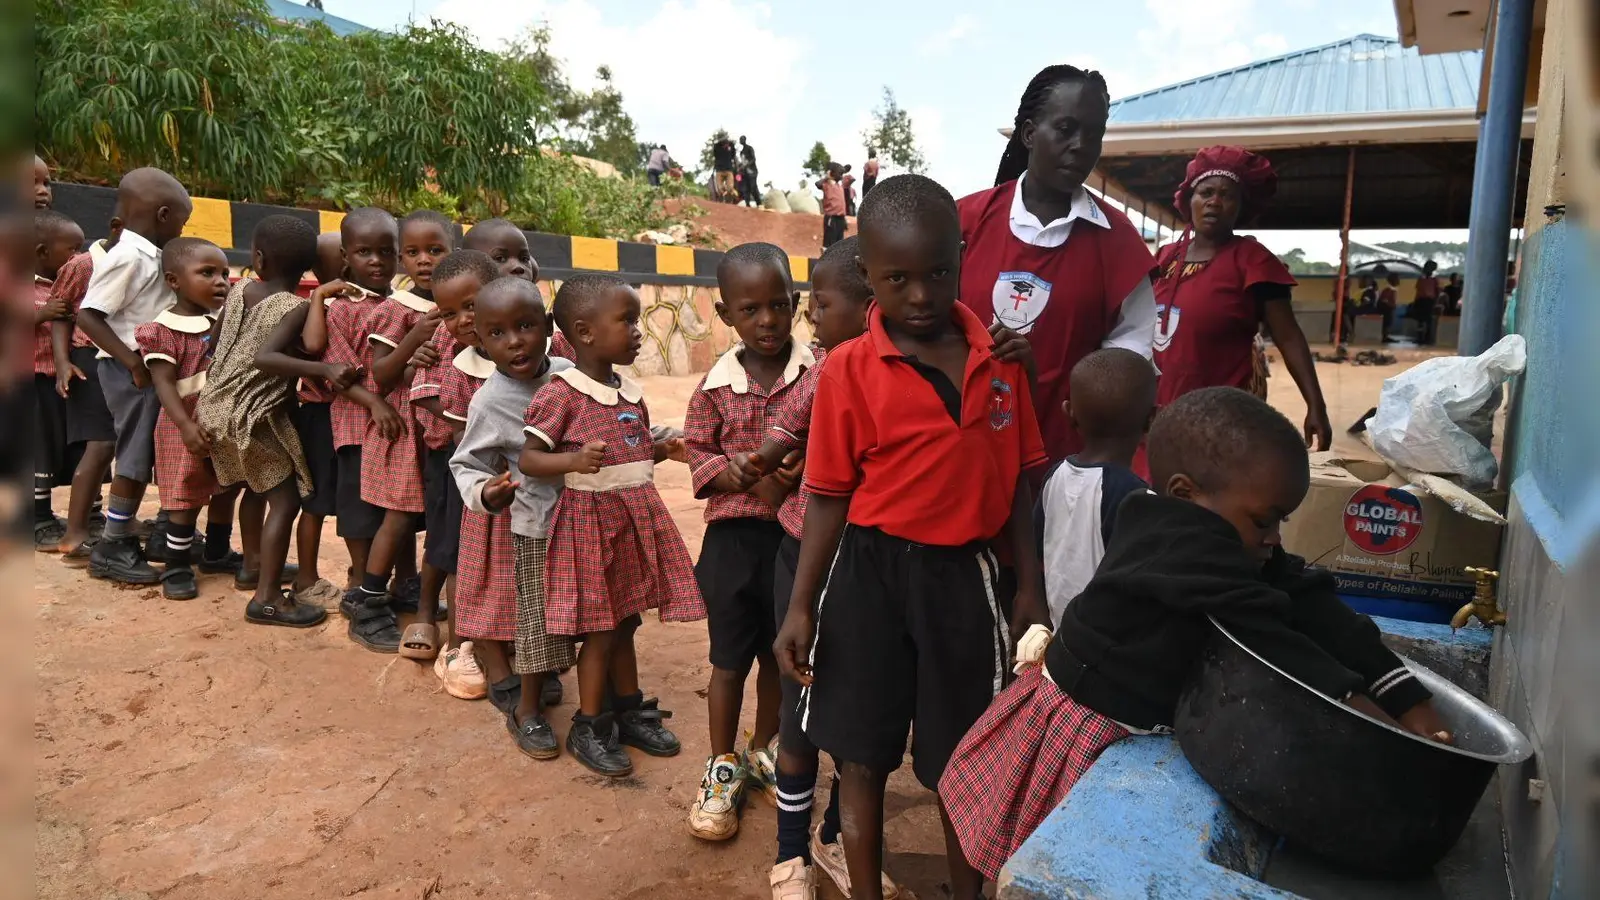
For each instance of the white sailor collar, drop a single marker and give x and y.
(601, 393)
(729, 372)
(473, 363)
(412, 302)
(1083, 207)
(184, 324)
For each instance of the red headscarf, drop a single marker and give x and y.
(1252, 172)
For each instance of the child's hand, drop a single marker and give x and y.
(1029, 609)
(141, 375)
(340, 375)
(196, 439)
(749, 466)
(388, 421)
(1423, 720)
(1009, 346)
(335, 288)
(739, 477)
(791, 470)
(770, 491)
(673, 449)
(426, 357)
(587, 461)
(57, 308)
(64, 379)
(793, 646)
(498, 491)
(429, 323)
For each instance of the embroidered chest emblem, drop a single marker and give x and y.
(1019, 299)
(1002, 405)
(632, 428)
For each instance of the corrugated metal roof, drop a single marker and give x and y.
(1363, 74)
(299, 12)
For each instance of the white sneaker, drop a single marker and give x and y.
(830, 859)
(763, 762)
(793, 880)
(715, 813)
(323, 594)
(459, 671)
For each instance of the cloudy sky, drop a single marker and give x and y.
(787, 74)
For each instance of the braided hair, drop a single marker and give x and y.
(1015, 159)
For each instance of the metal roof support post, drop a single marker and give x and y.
(1494, 178)
(1344, 248)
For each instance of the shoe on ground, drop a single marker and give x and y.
(593, 742)
(407, 595)
(506, 699)
(552, 694)
(322, 594)
(715, 813)
(47, 535)
(178, 582)
(120, 560)
(534, 736)
(225, 565)
(372, 623)
(459, 671)
(829, 860)
(249, 581)
(763, 763)
(793, 880)
(642, 729)
(287, 613)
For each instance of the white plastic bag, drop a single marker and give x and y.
(775, 200)
(1436, 416)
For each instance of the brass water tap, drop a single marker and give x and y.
(1483, 604)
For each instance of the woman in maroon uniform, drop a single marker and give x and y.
(1046, 259)
(1215, 288)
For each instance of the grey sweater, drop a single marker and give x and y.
(493, 444)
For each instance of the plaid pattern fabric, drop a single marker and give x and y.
(44, 360)
(720, 423)
(560, 346)
(1017, 764)
(314, 390)
(391, 471)
(72, 282)
(454, 389)
(486, 580)
(612, 554)
(348, 345)
(537, 649)
(185, 481)
(791, 429)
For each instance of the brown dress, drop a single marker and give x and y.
(247, 410)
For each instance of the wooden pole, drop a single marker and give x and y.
(1344, 248)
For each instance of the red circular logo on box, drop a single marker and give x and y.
(1383, 520)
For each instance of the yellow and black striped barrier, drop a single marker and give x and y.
(229, 224)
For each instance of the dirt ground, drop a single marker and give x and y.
(181, 753)
(726, 225)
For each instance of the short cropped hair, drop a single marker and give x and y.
(466, 262)
(840, 259)
(1219, 434)
(907, 199)
(755, 253)
(289, 242)
(49, 223)
(1113, 391)
(178, 250)
(432, 217)
(365, 215)
(578, 295)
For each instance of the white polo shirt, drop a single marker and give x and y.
(128, 288)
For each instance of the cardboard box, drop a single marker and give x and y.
(1381, 538)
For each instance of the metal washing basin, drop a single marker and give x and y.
(1344, 786)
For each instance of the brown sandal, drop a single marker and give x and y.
(420, 641)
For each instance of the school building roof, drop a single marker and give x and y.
(1404, 123)
(291, 11)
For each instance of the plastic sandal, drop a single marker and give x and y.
(420, 641)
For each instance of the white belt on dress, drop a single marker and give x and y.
(610, 478)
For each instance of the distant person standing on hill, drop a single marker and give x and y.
(660, 162)
(722, 157)
(849, 184)
(869, 172)
(748, 191)
(833, 205)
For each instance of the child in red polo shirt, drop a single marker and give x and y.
(58, 239)
(919, 441)
(729, 414)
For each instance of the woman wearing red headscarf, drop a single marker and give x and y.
(1044, 258)
(1214, 289)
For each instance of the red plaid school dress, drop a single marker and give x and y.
(790, 430)
(391, 471)
(614, 550)
(184, 480)
(315, 390)
(486, 577)
(437, 432)
(729, 413)
(1017, 764)
(72, 282)
(348, 345)
(44, 360)
(560, 346)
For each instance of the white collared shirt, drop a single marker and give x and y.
(128, 288)
(1135, 328)
(729, 372)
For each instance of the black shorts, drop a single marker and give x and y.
(909, 636)
(315, 427)
(442, 511)
(790, 737)
(88, 416)
(734, 571)
(358, 519)
(50, 457)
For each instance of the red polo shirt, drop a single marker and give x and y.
(882, 436)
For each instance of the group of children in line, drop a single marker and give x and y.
(873, 549)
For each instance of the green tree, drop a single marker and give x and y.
(707, 161)
(893, 136)
(600, 128)
(1295, 261)
(816, 161)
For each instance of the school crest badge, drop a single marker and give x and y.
(1166, 326)
(1019, 300)
(1002, 405)
(633, 432)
